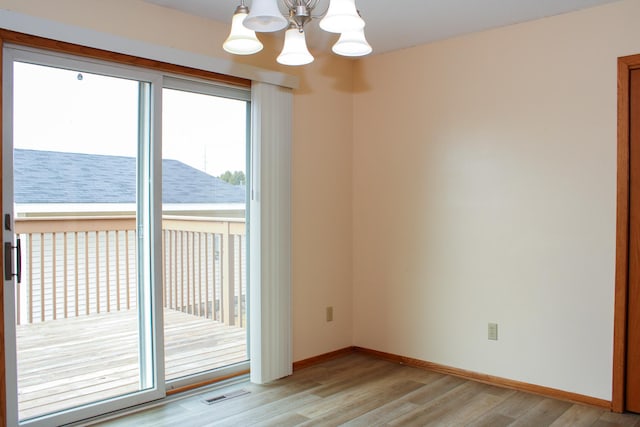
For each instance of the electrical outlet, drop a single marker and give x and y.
(493, 331)
(329, 314)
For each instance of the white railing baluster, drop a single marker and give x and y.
(227, 278)
(128, 279)
(182, 308)
(107, 255)
(199, 281)
(207, 311)
(118, 296)
(76, 297)
(42, 278)
(241, 314)
(54, 293)
(189, 293)
(87, 279)
(30, 285)
(65, 278)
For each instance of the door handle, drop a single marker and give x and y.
(18, 260)
(8, 261)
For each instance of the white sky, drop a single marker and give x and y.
(55, 110)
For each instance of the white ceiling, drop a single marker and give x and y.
(395, 25)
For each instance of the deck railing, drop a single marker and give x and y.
(76, 266)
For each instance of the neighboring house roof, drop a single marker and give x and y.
(56, 177)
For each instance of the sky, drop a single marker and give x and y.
(64, 110)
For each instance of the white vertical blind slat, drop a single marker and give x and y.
(270, 233)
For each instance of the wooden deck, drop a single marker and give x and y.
(69, 362)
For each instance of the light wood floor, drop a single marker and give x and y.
(69, 362)
(358, 390)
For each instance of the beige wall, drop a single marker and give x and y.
(321, 163)
(484, 191)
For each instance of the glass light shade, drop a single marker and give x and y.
(265, 17)
(241, 40)
(352, 43)
(342, 16)
(295, 50)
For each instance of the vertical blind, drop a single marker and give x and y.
(270, 233)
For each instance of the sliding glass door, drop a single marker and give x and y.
(125, 235)
(204, 156)
(125, 226)
(81, 308)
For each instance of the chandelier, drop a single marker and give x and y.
(341, 17)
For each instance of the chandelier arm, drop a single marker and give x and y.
(310, 4)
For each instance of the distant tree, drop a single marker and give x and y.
(234, 178)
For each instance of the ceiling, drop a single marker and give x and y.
(393, 25)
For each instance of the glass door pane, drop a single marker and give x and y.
(83, 309)
(204, 235)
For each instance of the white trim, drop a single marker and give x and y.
(19, 22)
(11, 366)
(270, 234)
(203, 87)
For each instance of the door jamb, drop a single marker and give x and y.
(625, 65)
(3, 379)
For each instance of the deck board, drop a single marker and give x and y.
(70, 362)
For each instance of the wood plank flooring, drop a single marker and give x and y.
(69, 362)
(359, 390)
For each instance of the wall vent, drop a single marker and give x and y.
(226, 396)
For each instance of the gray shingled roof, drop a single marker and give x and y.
(55, 177)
